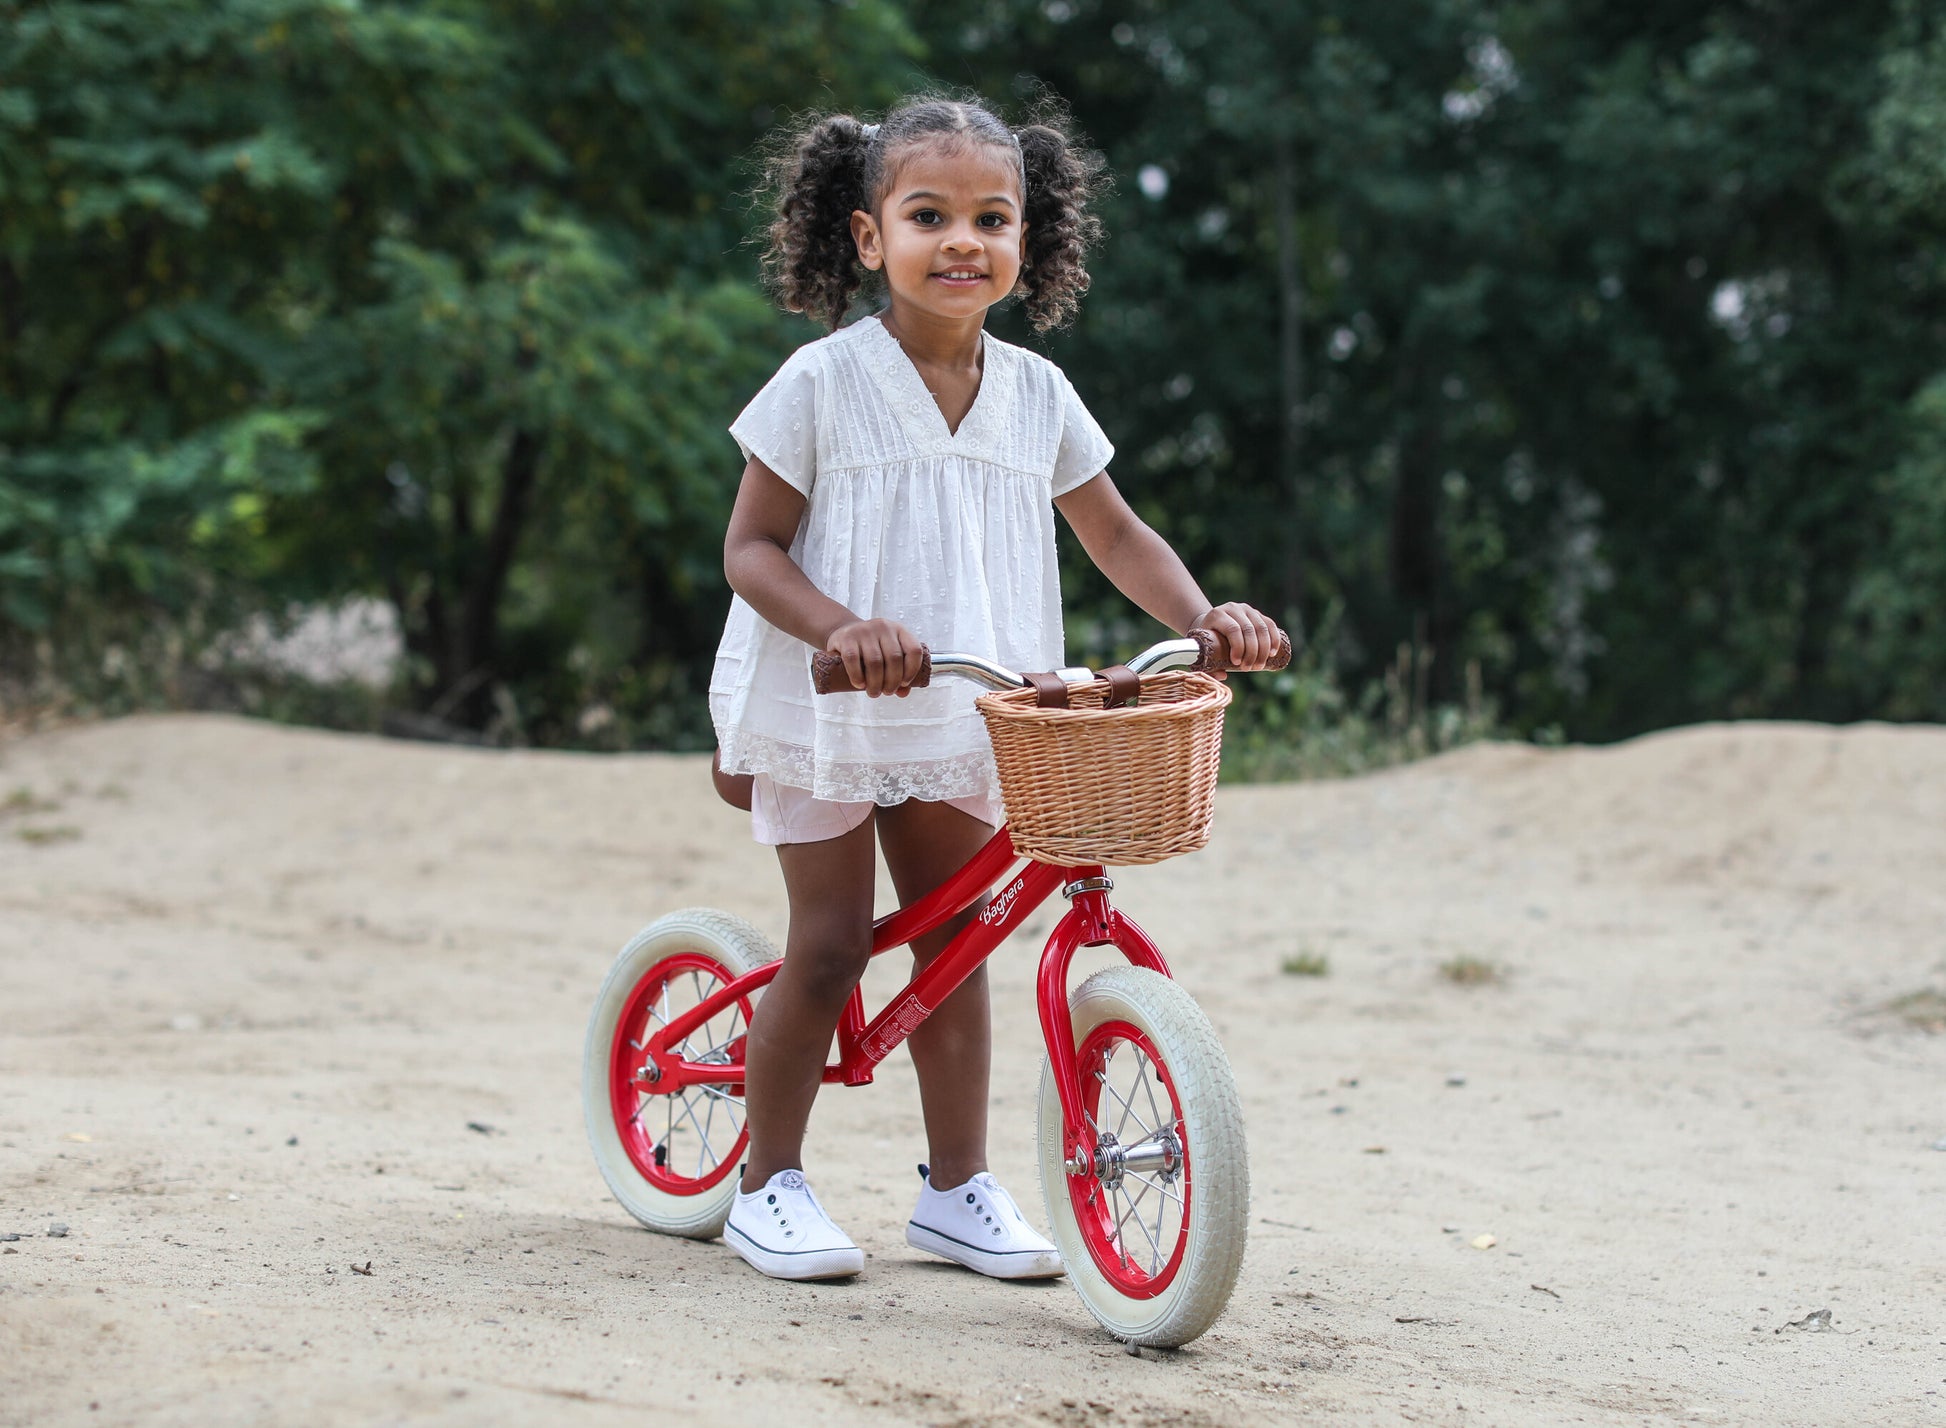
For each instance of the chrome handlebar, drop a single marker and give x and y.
(1170, 654)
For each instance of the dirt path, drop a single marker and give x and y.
(274, 1004)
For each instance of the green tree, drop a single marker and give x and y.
(442, 301)
(1560, 339)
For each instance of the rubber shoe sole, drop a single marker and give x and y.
(795, 1264)
(1017, 1264)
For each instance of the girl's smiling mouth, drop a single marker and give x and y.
(960, 277)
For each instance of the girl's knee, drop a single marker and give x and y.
(827, 968)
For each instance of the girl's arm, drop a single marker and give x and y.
(1143, 567)
(881, 656)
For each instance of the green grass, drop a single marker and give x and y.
(23, 801)
(1468, 971)
(1303, 723)
(62, 833)
(1306, 964)
(1922, 1010)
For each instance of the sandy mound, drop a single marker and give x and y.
(262, 985)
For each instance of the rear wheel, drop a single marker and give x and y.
(671, 1158)
(1152, 1228)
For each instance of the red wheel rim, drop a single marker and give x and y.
(686, 1141)
(1137, 1227)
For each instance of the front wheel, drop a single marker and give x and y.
(671, 1158)
(1151, 1231)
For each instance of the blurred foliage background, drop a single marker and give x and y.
(1560, 368)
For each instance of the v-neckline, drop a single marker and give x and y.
(919, 394)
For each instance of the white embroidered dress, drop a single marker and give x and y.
(949, 533)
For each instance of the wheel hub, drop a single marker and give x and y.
(1158, 1154)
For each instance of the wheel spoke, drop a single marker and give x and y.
(689, 1114)
(1142, 1065)
(709, 1119)
(1155, 1250)
(721, 1048)
(1127, 1111)
(1148, 1089)
(1155, 1267)
(1162, 1190)
(1102, 1077)
(731, 1104)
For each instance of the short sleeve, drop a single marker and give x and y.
(1085, 451)
(780, 427)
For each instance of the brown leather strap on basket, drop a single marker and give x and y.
(1050, 690)
(1124, 686)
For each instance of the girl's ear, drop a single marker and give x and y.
(864, 233)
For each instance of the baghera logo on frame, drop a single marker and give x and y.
(997, 910)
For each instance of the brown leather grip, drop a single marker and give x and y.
(1212, 656)
(828, 673)
(1124, 686)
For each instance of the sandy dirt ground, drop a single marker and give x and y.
(262, 989)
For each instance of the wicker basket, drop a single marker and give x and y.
(1090, 785)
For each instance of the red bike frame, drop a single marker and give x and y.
(1089, 922)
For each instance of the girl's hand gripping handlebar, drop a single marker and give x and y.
(828, 674)
(1213, 660)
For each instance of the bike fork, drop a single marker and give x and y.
(1090, 922)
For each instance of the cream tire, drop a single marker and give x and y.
(698, 932)
(1212, 1220)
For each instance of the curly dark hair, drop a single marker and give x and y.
(834, 164)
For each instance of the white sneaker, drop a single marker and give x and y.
(783, 1231)
(979, 1225)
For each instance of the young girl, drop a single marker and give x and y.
(901, 481)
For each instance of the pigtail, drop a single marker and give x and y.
(1061, 179)
(811, 262)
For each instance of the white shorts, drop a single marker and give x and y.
(782, 814)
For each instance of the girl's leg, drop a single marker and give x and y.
(926, 843)
(825, 952)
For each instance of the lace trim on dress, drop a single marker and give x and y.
(968, 775)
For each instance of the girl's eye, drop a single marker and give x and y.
(926, 217)
(993, 220)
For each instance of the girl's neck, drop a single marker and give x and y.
(936, 342)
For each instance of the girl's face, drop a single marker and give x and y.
(948, 229)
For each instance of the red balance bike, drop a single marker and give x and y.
(1142, 1155)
